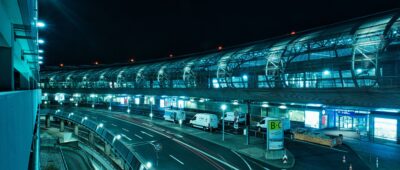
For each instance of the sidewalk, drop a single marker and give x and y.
(388, 154)
(255, 149)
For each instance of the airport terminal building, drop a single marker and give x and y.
(343, 76)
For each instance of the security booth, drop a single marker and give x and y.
(385, 126)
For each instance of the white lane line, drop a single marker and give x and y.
(113, 124)
(138, 136)
(178, 141)
(243, 160)
(204, 153)
(104, 121)
(126, 137)
(125, 129)
(196, 133)
(176, 159)
(146, 134)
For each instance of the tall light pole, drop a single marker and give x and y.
(151, 107)
(223, 108)
(129, 105)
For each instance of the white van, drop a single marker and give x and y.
(204, 120)
(262, 124)
(174, 115)
(230, 117)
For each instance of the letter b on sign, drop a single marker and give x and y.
(275, 125)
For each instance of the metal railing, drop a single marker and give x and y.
(129, 157)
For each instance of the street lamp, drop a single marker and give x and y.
(148, 165)
(223, 108)
(151, 107)
(40, 24)
(99, 126)
(70, 114)
(117, 137)
(83, 119)
(41, 41)
(129, 104)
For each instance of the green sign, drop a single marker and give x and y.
(274, 125)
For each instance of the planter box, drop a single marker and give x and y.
(316, 139)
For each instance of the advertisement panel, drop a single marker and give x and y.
(312, 119)
(385, 128)
(275, 134)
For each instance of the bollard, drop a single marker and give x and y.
(350, 167)
(344, 159)
(377, 162)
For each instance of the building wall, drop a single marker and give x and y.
(19, 96)
(18, 113)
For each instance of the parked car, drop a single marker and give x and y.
(262, 124)
(204, 120)
(230, 117)
(174, 115)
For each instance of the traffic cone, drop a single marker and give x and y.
(344, 159)
(350, 167)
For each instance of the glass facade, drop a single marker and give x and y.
(355, 54)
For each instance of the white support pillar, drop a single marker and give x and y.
(62, 126)
(76, 129)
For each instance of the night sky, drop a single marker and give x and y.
(80, 32)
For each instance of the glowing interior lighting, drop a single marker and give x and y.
(40, 62)
(41, 41)
(40, 51)
(326, 72)
(359, 70)
(40, 58)
(314, 105)
(265, 105)
(244, 77)
(282, 107)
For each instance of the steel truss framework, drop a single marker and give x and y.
(362, 53)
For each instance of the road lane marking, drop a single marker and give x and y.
(125, 129)
(113, 124)
(146, 134)
(204, 153)
(138, 136)
(176, 159)
(242, 160)
(196, 133)
(178, 141)
(126, 137)
(104, 121)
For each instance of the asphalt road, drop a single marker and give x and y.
(185, 151)
(178, 150)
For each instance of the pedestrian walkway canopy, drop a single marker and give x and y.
(360, 53)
